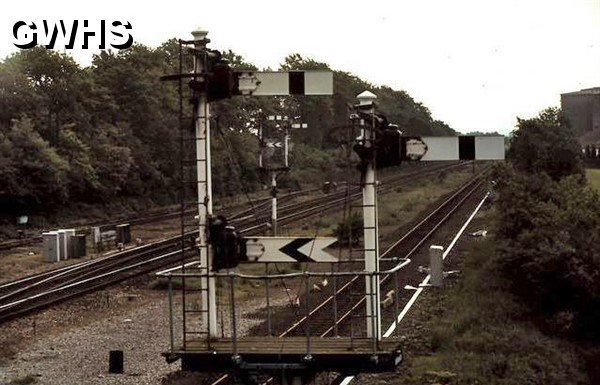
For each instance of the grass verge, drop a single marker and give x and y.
(476, 332)
(593, 177)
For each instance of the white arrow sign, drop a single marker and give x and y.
(274, 144)
(289, 249)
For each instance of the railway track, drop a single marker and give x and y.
(235, 211)
(27, 295)
(301, 210)
(159, 215)
(404, 248)
(335, 308)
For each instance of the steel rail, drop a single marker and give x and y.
(149, 248)
(177, 238)
(389, 250)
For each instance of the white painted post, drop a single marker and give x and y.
(62, 241)
(67, 246)
(261, 143)
(96, 239)
(202, 128)
(436, 266)
(274, 203)
(285, 145)
(371, 235)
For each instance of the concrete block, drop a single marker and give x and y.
(436, 266)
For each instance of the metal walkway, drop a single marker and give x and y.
(267, 353)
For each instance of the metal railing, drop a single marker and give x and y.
(235, 278)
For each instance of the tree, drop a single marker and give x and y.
(145, 110)
(59, 82)
(17, 95)
(112, 163)
(32, 174)
(549, 242)
(350, 230)
(111, 129)
(83, 182)
(549, 222)
(237, 62)
(546, 144)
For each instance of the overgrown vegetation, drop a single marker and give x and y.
(593, 177)
(549, 227)
(477, 332)
(545, 145)
(526, 307)
(72, 134)
(350, 230)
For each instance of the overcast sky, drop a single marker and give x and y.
(476, 65)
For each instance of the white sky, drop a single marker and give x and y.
(476, 64)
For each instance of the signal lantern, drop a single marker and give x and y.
(225, 243)
(387, 147)
(220, 78)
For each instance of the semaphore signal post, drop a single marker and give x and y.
(295, 356)
(212, 79)
(284, 123)
(365, 119)
(221, 248)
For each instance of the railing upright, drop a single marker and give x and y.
(307, 314)
(171, 320)
(233, 315)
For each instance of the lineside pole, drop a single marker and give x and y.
(274, 203)
(202, 129)
(260, 138)
(286, 142)
(370, 231)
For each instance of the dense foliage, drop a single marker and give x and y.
(110, 130)
(350, 230)
(546, 144)
(549, 225)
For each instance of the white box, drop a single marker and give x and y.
(51, 246)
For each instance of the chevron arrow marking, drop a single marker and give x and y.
(289, 249)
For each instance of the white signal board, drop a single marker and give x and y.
(489, 147)
(289, 249)
(286, 83)
(464, 147)
(440, 148)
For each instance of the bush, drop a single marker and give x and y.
(549, 224)
(350, 229)
(550, 243)
(546, 144)
(31, 172)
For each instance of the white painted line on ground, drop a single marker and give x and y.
(172, 269)
(414, 297)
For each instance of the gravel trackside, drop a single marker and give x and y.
(79, 355)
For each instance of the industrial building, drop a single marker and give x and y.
(582, 108)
